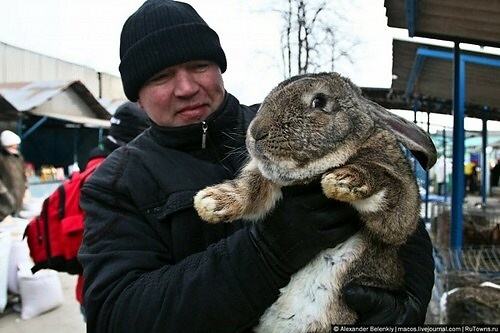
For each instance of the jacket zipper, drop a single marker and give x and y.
(204, 128)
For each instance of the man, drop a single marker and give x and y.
(150, 263)
(12, 175)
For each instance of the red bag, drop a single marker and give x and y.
(54, 236)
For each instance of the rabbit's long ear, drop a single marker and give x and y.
(409, 134)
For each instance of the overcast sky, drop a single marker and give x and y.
(87, 32)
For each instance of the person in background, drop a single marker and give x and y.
(150, 263)
(470, 174)
(127, 123)
(440, 175)
(495, 173)
(12, 174)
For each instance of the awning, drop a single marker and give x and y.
(64, 100)
(476, 22)
(419, 75)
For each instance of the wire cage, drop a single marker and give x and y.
(467, 285)
(481, 225)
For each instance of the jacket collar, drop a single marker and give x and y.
(219, 126)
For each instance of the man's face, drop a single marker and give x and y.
(13, 149)
(183, 94)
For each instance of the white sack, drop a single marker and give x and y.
(40, 292)
(19, 256)
(5, 242)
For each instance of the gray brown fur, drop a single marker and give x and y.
(319, 125)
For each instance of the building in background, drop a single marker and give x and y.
(20, 65)
(60, 109)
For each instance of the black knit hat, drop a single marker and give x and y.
(128, 122)
(163, 33)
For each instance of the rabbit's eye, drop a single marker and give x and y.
(319, 101)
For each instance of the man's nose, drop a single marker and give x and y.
(185, 84)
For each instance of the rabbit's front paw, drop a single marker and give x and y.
(219, 203)
(345, 184)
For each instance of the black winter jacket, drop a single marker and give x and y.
(150, 263)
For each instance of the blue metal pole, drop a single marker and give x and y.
(101, 135)
(445, 184)
(34, 127)
(415, 109)
(448, 55)
(427, 176)
(439, 54)
(418, 64)
(457, 195)
(481, 60)
(484, 161)
(411, 16)
(19, 126)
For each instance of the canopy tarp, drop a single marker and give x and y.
(65, 100)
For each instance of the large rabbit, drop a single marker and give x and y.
(319, 126)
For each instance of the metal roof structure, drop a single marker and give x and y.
(65, 100)
(476, 22)
(396, 99)
(429, 80)
(460, 21)
(418, 72)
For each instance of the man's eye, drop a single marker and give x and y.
(160, 78)
(201, 66)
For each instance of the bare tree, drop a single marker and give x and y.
(310, 38)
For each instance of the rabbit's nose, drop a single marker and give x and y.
(260, 128)
(259, 132)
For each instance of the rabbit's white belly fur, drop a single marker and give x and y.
(312, 293)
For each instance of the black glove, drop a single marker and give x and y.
(408, 306)
(303, 223)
